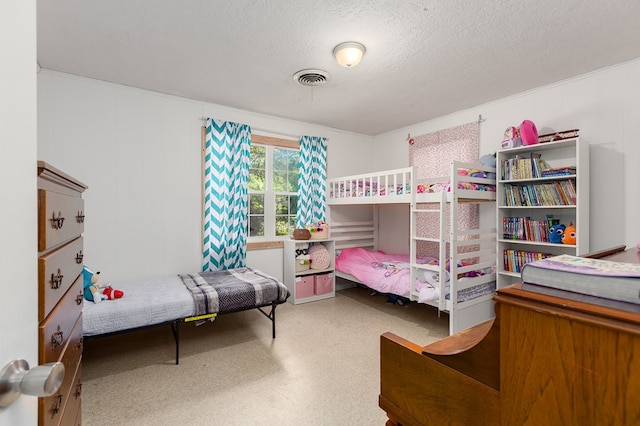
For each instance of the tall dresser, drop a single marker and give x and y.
(60, 290)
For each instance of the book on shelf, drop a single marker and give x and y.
(557, 193)
(527, 166)
(525, 229)
(559, 171)
(551, 222)
(514, 260)
(593, 277)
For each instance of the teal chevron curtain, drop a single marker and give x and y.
(312, 181)
(226, 179)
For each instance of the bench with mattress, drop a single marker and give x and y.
(184, 298)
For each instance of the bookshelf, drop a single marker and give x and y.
(537, 186)
(310, 284)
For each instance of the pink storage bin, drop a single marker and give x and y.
(324, 283)
(304, 286)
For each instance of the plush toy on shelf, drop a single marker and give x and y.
(569, 234)
(93, 291)
(556, 232)
(303, 259)
(319, 256)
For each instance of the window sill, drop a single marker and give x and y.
(265, 245)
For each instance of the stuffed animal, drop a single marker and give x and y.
(303, 259)
(319, 256)
(92, 290)
(111, 294)
(490, 161)
(569, 234)
(556, 232)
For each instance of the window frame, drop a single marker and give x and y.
(257, 243)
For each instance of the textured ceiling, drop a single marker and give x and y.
(424, 58)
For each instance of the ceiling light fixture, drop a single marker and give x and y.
(349, 54)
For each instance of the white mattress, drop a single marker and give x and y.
(144, 303)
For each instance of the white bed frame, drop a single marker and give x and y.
(454, 246)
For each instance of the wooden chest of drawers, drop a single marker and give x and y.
(60, 298)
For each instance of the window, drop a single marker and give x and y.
(273, 187)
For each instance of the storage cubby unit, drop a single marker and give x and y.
(310, 284)
(530, 199)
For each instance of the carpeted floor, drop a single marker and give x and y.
(323, 367)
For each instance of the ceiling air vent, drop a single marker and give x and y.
(311, 77)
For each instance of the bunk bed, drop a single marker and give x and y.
(455, 260)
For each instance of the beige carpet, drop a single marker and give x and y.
(323, 367)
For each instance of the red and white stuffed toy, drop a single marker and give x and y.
(112, 294)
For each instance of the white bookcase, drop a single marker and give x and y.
(519, 226)
(311, 284)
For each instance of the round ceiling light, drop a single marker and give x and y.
(349, 54)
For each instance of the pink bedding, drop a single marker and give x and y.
(385, 273)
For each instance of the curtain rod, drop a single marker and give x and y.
(274, 132)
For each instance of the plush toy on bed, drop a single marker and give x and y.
(556, 232)
(488, 160)
(92, 290)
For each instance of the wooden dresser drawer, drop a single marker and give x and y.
(71, 416)
(53, 409)
(60, 218)
(57, 271)
(55, 331)
(78, 421)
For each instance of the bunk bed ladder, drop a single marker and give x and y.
(454, 256)
(438, 207)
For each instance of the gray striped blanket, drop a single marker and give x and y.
(233, 290)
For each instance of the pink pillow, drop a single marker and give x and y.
(528, 132)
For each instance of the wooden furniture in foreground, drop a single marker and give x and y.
(60, 289)
(543, 360)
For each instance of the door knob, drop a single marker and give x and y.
(16, 378)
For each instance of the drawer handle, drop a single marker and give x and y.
(79, 344)
(78, 391)
(80, 217)
(57, 222)
(79, 257)
(56, 280)
(79, 299)
(57, 338)
(57, 404)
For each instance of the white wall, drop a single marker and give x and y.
(139, 153)
(604, 105)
